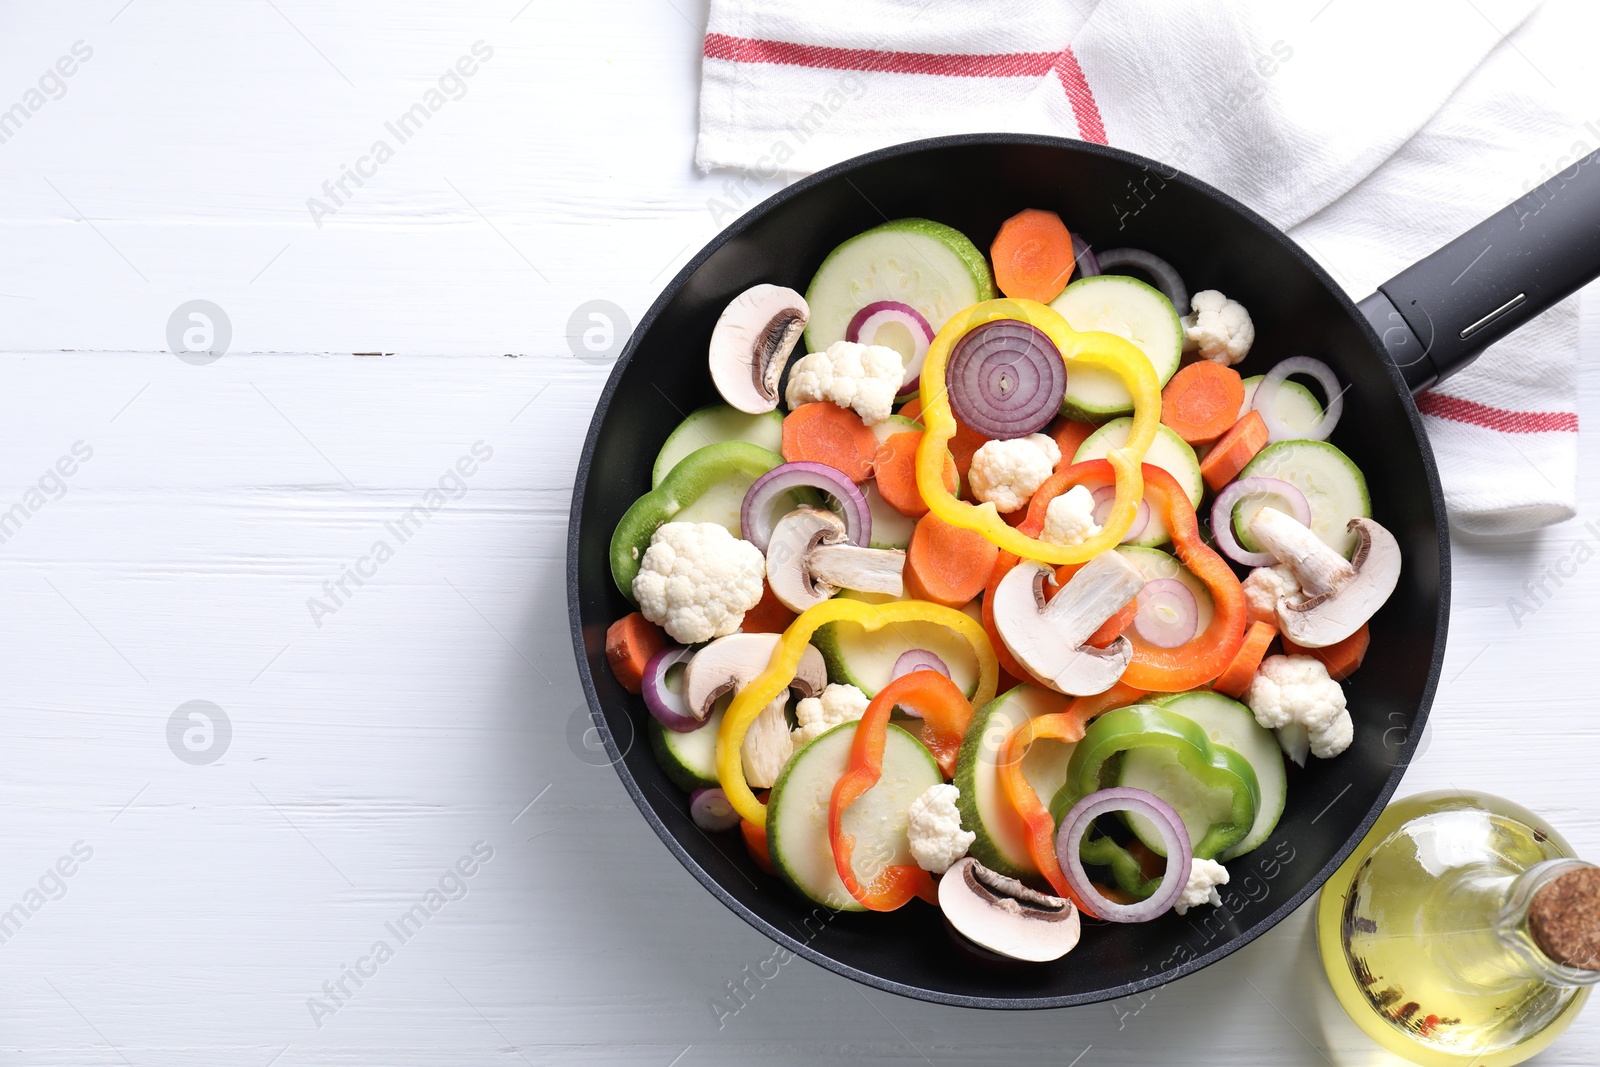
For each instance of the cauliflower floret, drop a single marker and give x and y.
(863, 378)
(1296, 690)
(697, 580)
(1069, 520)
(1220, 329)
(1204, 877)
(1265, 586)
(818, 715)
(1007, 473)
(933, 824)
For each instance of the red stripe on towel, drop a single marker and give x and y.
(1454, 408)
(787, 53)
(1081, 97)
(998, 65)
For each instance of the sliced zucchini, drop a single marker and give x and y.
(1168, 451)
(1332, 484)
(1127, 307)
(890, 528)
(723, 500)
(865, 658)
(895, 424)
(1297, 406)
(1232, 725)
(797, 812)
(918, 262)
(1157, 770)
(1001, 840)
(1154, 564)
(713, 425)
(690, 759)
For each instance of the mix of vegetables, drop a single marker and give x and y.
(937, 609)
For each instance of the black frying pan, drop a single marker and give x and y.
(1425, 323)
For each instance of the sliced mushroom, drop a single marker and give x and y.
(1340, 594)
(1047, 637)
(1005, 916)
(751, 342)
(767, 744)
(729, 663)
(808, 561)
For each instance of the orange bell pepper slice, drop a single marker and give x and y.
(1067, 725)
(941, 703)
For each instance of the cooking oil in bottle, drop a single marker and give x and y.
(1461, 931)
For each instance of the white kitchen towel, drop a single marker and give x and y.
(1372, 131)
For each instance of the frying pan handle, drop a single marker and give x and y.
(1435, 316)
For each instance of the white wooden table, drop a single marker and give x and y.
(432, 708)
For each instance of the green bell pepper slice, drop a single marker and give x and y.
(695, 475)
(1142, 726)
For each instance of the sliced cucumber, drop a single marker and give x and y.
(1129, 308)
(690, 759)
(1232, 725)
(1332, 484)
(797, 813)
(1297, 407)
(1168, 451)
(1001, 842)
(865, 658)
(712, 425)
(1154, 564)
(925, 264)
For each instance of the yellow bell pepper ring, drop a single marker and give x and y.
(749, 701)
(1115, 354)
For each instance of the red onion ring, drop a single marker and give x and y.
(1069, 842)
(755, 513)
(1267, 394)
(669, 708)
(1103, 497)
(1232, 496)
(711, 811)
(917, 659)
(866, 322)
(1165, 276)
(1085, 264)
(1167, 595)
(1006, 379)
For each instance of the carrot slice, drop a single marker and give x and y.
(1068, 435)
(1032, 256)
(630, 642)
(962, 446)
(912, 408)
(769, 616)
(1342, 658)
(1233, 450)
(826, 433)
(946, 564)
(1236, 678)
(1003, 563)
(1202, 401)
(895, 469)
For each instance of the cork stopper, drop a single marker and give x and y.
(1564, 919)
